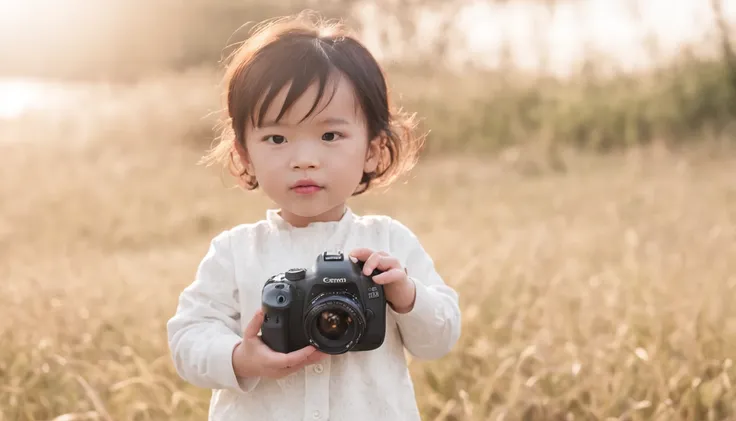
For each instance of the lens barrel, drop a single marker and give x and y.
(334, 323)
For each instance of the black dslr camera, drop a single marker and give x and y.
(333, 306)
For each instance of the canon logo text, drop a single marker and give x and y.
(334, 280)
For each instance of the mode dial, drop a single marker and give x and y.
(296, 274)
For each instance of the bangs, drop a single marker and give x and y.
(284, 58)
(297, 65)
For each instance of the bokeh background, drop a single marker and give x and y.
(578, 189)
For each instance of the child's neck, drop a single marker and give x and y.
(297, 221)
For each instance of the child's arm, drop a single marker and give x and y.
(204, 331)
(432, 327)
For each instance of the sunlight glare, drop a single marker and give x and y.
(17, 97)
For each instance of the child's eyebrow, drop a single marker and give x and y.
(333, 120)
(325, 121)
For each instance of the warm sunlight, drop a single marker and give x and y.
(31, 14)
(33, 30)
(574, 29)
(17, 96)
(573, 223)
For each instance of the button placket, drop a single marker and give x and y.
(317, 391)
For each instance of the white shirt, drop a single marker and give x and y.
(367, 385)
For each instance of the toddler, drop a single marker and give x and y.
(311, 125)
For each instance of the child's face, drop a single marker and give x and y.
(328, 151)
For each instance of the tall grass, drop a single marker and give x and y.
(685, 101)
(602, 293)
(475, 111)
(593, 287)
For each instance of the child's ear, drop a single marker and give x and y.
(243, 155)
(373, 154)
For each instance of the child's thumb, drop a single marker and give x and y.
(254, 326)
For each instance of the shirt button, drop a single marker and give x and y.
(318, 368)
(315, 415)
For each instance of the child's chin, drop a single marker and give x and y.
(313, 210)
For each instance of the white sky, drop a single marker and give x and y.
(606, 26)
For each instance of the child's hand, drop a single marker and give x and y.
(399, 288)
(253, 358)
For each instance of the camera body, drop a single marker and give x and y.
(332, 306)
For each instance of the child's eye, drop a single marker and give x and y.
(275, 139)
(330, 136)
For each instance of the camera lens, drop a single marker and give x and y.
(333, 324)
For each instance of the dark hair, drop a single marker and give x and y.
(301, 50)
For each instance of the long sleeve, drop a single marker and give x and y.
(432, 327)
(205, 328)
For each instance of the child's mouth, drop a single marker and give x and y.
(306, 186)
(307, 189)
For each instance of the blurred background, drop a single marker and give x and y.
(578, 188)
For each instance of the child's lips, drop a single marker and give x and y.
(306, 186)
(306, 189)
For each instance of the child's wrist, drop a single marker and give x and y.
(238, 361)
(408, 296)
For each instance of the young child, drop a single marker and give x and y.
(311, 125)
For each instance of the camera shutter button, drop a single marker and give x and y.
(295, 274)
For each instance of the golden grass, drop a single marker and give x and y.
(602, 292)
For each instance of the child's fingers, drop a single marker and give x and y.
(386, 262)
(390, 276)
(315, 358)
(361, 254)
(312, 359)
(283, 372)
(381, 261)
(371, 262)
(254, 326)
(278, 360)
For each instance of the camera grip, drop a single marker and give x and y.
(375, 272)
(276, 302)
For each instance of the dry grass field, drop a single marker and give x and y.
(602, 292)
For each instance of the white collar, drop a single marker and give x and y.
(275, 219)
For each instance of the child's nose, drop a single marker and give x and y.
(305, 157)
(304, 164)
